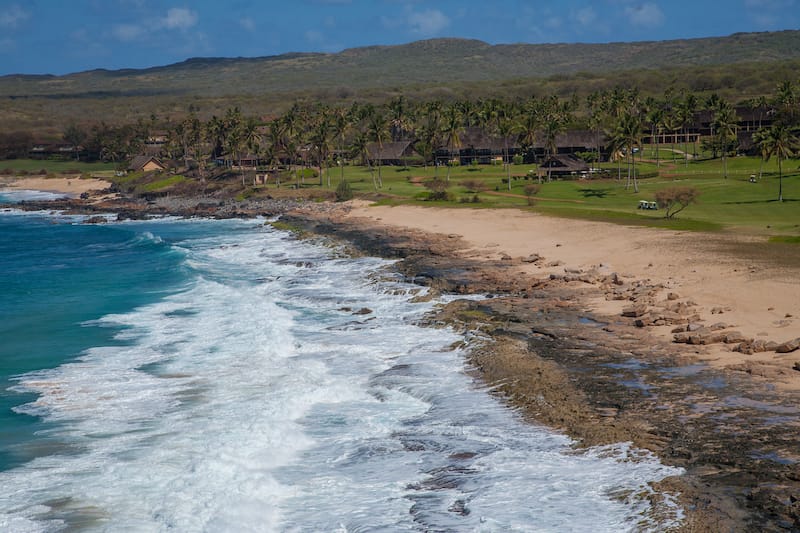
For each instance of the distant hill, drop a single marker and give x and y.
(435, 61)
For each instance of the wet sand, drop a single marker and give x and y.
(562, 350)
(72, 187)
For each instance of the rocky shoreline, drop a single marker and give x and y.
(604, 379)
(600, 379)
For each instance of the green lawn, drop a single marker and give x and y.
(734, 202)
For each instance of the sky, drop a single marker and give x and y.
(64, 36)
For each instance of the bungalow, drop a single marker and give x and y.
(564, 165)
(391, 153)
(145, 163)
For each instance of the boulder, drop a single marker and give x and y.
(634, 311)
(788, 346)
(706, 337)
(756, 346)
(735, 337)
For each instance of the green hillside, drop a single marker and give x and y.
(739, 66)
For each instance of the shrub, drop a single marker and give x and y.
(518, 159)
(676, 199)
(344, 192)
(474, 199)
(438, 189)
(474, 185)
(531, 190)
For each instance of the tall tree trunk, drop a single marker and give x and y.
(780, 179)
(508, 168)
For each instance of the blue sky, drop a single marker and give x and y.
(63, 36)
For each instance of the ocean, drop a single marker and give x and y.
(203, 375)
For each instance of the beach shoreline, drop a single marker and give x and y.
(564, 354)
(576, 344)
(69, 187)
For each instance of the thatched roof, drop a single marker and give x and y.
(565, 163)
(139, 162)
(390, 151)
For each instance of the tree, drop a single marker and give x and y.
(531, 190)
(687, 106)
(655, 116)
(378, 128)
(676, 199)
(438, 189)
(340, 124)
(320, 138)
(505, 127)
(779, 140)
(75, 135)
(453, 127)
(625, 137)
(725, 123)
(555, 116)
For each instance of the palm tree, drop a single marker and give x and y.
(320, 139)
(340, 124)
(361, 148)
(430, 132)
(378, 128)
(505, 128)
(655, 116)
(687, 106)
(725, 123)
(399, 119)
(627, 135)
(555, 116)
(779, 140)
(453, 127)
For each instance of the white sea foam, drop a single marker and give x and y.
(23, 195)
(257, 400)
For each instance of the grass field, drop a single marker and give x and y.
(732, 203)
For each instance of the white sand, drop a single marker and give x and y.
(763, 303)
(70, 186)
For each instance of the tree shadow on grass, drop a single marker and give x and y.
(754, 202)
(594, 193)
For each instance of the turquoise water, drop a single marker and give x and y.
(57, 277)
(213, 376)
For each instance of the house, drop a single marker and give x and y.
(478, 146)
(390, 153)
(564, 165)
(44, 150)
(145, 163)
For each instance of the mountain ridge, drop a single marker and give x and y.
(418, 62)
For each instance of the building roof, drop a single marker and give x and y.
(389, 150)
(140, 161)
(565, 163)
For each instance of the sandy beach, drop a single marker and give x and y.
(724, 275)
(614, 333)
(72, 187)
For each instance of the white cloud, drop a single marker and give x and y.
(179, 18)
(586, 16)
(428, 22)
(553, 23)
(12, 16)
(314, 37)
(247, 23)
(768, 4)
(647, 15)
(127, 32)
(175, 18)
